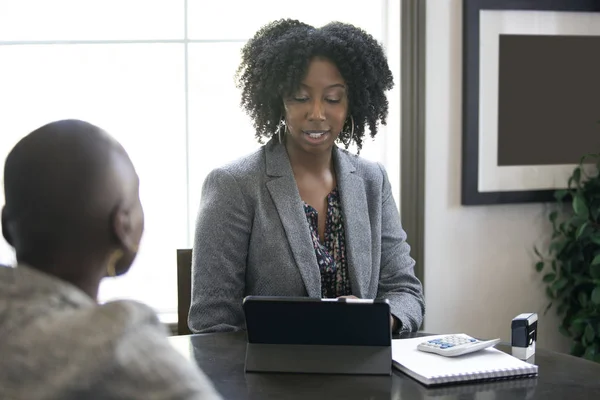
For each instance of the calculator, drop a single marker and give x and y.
(455, 345)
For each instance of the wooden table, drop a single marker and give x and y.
(221, 357)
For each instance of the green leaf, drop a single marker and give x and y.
(583, 299)
(581, 280)
(589, 333)
(595, 271)
(596, 295)
(539, 266)
(581, 229)
(537, 252)
(579, 206)
(566, 291)
(559, 284)
(553, 215)
(595, 239)
(596, 260)
(576, 175)
(550, 294)
(564, 331)
(557, 246)
(559, 195)
(577, 329)
(566, 266)
(595, 213)
(563, 228)
(575, 222)
(590, 353)
(549, 277)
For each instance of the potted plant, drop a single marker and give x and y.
(571, 268)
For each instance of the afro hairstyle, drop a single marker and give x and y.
(275, 61)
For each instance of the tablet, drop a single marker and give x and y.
(313, 321)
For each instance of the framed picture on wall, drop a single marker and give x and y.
(531, 96)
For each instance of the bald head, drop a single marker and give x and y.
(64, 184)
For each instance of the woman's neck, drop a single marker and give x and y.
(304, 162)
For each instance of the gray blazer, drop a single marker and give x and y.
(252, 238)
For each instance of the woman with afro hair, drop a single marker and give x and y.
(302, 216)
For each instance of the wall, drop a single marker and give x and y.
(478, 260)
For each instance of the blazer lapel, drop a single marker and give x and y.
(357, 225)
(285, 195)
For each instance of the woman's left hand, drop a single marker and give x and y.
(348, 297)
(393, 321)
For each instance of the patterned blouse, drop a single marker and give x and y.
(331, 255)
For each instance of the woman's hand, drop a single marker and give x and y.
(393, 320)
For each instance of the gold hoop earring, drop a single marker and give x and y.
(351, 138)
(111, 266)
(285, 130)
(279, 135)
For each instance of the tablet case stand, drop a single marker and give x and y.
(319, 359)
(318, 336)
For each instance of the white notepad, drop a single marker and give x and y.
(433, 369)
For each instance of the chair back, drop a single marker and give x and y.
(184, 289)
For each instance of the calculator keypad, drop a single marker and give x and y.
(450, 341)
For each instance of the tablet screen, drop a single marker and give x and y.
(281, 320)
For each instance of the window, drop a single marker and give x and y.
(158, 76)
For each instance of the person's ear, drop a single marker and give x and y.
(124, 236)
(123, 230)
(5, 231)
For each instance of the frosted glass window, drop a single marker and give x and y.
(51, 20)
(241, 19)
(219, 130)
(136, 92)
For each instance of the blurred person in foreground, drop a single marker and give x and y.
(73, 215)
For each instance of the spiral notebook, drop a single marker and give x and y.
(432, 369)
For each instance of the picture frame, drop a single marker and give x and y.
(483, 181)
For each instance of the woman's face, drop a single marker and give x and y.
(316, 112)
